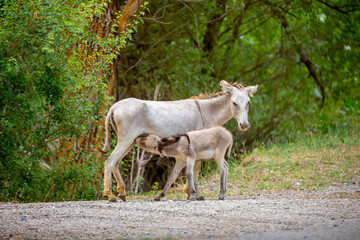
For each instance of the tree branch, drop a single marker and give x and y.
(303, 59)
(312, 71)
(340, 8)
(157, 42)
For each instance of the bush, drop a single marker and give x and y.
(49, 101)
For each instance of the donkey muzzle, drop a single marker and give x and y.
(243, 126)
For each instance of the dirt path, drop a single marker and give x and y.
(330, 214)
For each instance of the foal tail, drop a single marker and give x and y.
(107, 132)
(228, 150)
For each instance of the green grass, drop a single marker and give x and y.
(311, 161)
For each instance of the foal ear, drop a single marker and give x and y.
(251, 90)
(226, 87)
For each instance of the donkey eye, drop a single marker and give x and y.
(235, 104)
(248, 103)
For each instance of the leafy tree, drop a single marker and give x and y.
(53, 89)
(301, 53)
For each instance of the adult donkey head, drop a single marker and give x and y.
(240, 97)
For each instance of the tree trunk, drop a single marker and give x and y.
(109, 25)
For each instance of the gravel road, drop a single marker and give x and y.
(329, 214)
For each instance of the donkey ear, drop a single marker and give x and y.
(226, 87)
(251, 90)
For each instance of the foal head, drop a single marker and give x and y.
(240, 97)
(155, 144)
(149, 143)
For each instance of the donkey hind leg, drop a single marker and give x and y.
(179, 165)
(120, 189)
(223, 175)
(190, 163)
(110, 164)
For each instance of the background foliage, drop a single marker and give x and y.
(299, 52)
(53, 90)
(55, 73)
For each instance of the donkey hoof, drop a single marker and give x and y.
(122, 197)
(157, 199)
(221, 198)
(112, 199)
(201, 198)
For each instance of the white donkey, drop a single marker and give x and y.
(132, 117)
(199, 145)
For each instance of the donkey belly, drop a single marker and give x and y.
(169, 130)
(205, 155)
(167, 120)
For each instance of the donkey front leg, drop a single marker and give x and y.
(190, 162)
(179, 165)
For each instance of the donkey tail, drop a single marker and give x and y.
(107, 133)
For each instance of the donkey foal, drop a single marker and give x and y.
(215, 142)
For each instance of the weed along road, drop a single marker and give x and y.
(333, 213)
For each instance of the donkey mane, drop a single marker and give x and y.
(208, 95)
(217, 94)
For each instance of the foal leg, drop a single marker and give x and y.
(190, 163)
(197, 169)
(226, 171)
(223, 176)
(179, 165)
